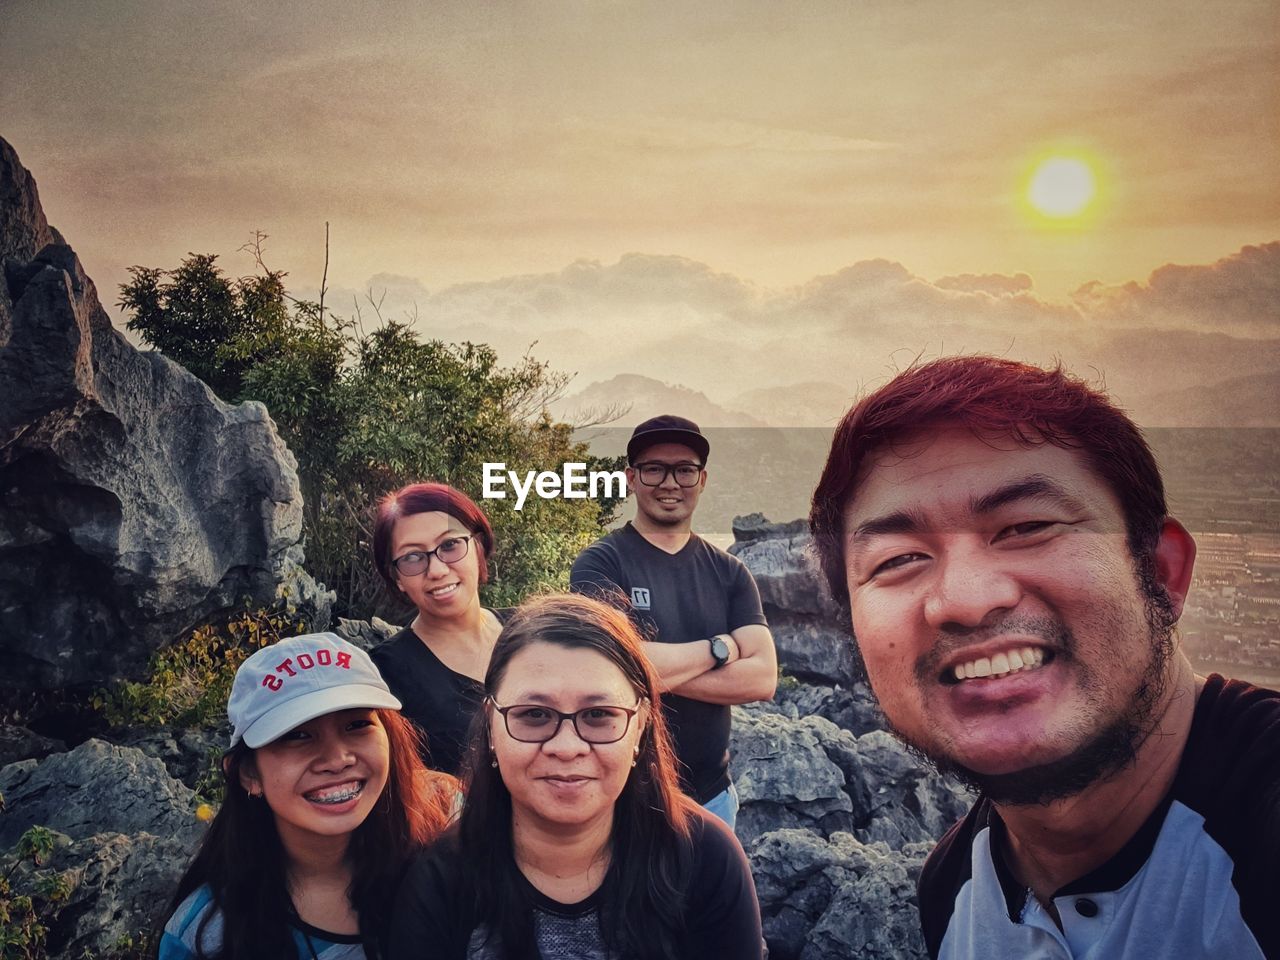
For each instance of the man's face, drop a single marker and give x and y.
(996, 606)
(668, 504)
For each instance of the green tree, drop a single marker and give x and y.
(366, 413)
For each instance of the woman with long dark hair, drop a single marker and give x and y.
(326, 801)
(431, 545)
(576, 840)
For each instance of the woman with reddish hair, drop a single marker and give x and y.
(431, 544)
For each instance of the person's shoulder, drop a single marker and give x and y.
(715, 846)
(946, 870)
(394, 647)
(1230, 769)
(607, 546)
(721, 557)
(194, 926)
(1236, 728)
(439, 863)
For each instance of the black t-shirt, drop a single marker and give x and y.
(440, 701)
(434, 920)
(675, 598)
(1199, 880)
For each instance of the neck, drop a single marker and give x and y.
(1052, 844)
(312, 858)
(574, 856)
(468, 628)
(665, 537)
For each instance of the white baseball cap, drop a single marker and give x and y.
(297, 680)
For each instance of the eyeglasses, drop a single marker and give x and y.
(535, 723)
(416, 561)
(654, 474)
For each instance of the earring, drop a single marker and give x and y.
(636, 759)
(254, 793)
(493, 758)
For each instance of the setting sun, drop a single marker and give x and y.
(1061, 187)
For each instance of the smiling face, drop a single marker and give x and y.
(996, 606)
(564, 781)
(667, 506)
(443, 590)
(322, 778)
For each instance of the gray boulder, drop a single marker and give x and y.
(190, 755)
(811, 632)
(852, 708)
(118, 886)
(124, 831)
(97, 787)
(136, 498)
(365, 634)
(836, 898)
(784, 777)
(19, 743)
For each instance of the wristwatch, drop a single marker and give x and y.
(719, 651)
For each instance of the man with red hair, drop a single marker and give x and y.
(1013, 577)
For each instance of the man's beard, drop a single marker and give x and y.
(1108, 751)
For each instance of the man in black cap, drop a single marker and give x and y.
(697, 605)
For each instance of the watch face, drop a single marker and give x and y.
(719, 650)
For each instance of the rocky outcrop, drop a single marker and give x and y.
(365, 634)
(837, 815)
(807, 772)
(19, 743)
(813, 646)
(134, 496)
(832, 899)
(97, 787)
(123, 832)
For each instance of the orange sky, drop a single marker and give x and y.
(451, 143)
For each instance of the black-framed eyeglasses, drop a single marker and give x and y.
(537, 723)
(654, 474)
(416, 561)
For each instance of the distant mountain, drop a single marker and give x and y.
(634, 398)
(813, 404)
(1251, 401)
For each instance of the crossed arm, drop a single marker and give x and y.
(688, 668)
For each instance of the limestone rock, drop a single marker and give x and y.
(189, 755)
(134, 497)
(784, 777)
(119, 885)
(19, 743)
(811, 632)
(97, 787)
(823, 899)
(365, 634)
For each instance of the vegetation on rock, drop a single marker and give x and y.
(367, 412)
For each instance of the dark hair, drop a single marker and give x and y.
(428, 498)
(243, 862)
(641, 912)
(991, 397)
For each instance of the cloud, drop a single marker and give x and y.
(993, 283)
(681, 321)
(1238, 294)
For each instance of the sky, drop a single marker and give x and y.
(806, 192)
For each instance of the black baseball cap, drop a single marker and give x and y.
(667, 429)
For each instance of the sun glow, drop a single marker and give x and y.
(1061, 187)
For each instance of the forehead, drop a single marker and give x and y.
(940, 474)
(667, 453)
(424, 528)
(551, 673)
